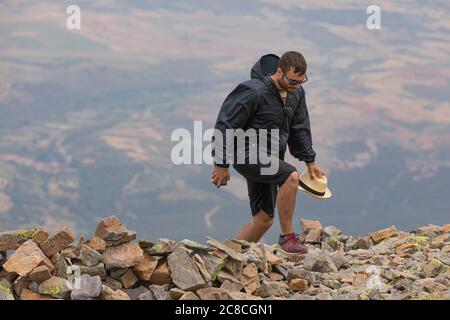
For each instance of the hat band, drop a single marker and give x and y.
(304, 186)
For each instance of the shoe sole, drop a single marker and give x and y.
(291, 253)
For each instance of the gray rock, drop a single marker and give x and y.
(6, 292)
(300, 273)
(146, 296)
(163, 247)
(159, 292)
(117, 273)
(331, 231)
(183, 270)
(212, 263)
(233, 266)
(97, 270)
(324, 296)
(60, 266)
(318, 261)
(136, 293)
(113, 284)
(88, 256)
(339, 259)
(195, 245)
(272, 288)
(86, 287)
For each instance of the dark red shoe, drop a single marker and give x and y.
(290, 243)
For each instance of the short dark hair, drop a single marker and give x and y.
(293, 59)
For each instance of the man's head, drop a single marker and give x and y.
(291, 71)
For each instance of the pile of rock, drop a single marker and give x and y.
(113, 265)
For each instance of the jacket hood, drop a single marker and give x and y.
(266, 65)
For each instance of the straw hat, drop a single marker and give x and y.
(315, 187)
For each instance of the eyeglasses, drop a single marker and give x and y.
(295, 82)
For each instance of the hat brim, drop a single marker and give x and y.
(325, 196)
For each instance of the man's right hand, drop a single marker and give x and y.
(220, 176)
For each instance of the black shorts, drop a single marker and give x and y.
(262, 189)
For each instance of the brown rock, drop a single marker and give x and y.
(176, 293)
(273, 259)
(405, 250)
(30, 295)
(161, 275)
(272, 288)
(274, 276)
(313, 236)
(97, 243)
(360, 280)
(21, 283)
(219, 254)
(380, 235)
(123, 256)
(231, 286)
(46, 262)
(56, 287)
(110, 294)
(234, 295)
(128, 279)
(440, 240)
(364, 242)
(233, 245)
(189, 296)
(114, 232)
(40, 236)
(58, 241)
(219, 245)
(27, 257)
(40, 274)
(201, 267)
(298, 284)
(213, 294)
(144, 270)
(250, 278)
(310, 225)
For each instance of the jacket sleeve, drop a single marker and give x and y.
(300, 139)
(237, 108)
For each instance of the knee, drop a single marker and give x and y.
(262, 219)
(292, 180)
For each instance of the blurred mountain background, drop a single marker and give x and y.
(86, 115)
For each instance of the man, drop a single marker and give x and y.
(273, 99)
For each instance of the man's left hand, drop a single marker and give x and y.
(315, 171)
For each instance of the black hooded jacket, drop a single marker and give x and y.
(257, 104)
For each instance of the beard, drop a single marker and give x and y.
(286, 87)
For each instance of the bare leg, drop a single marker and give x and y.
(287, 194)
(257, 227)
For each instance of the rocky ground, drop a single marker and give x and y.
(113, 265)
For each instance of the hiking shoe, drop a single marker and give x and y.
(291, 243)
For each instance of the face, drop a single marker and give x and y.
(291, 76)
